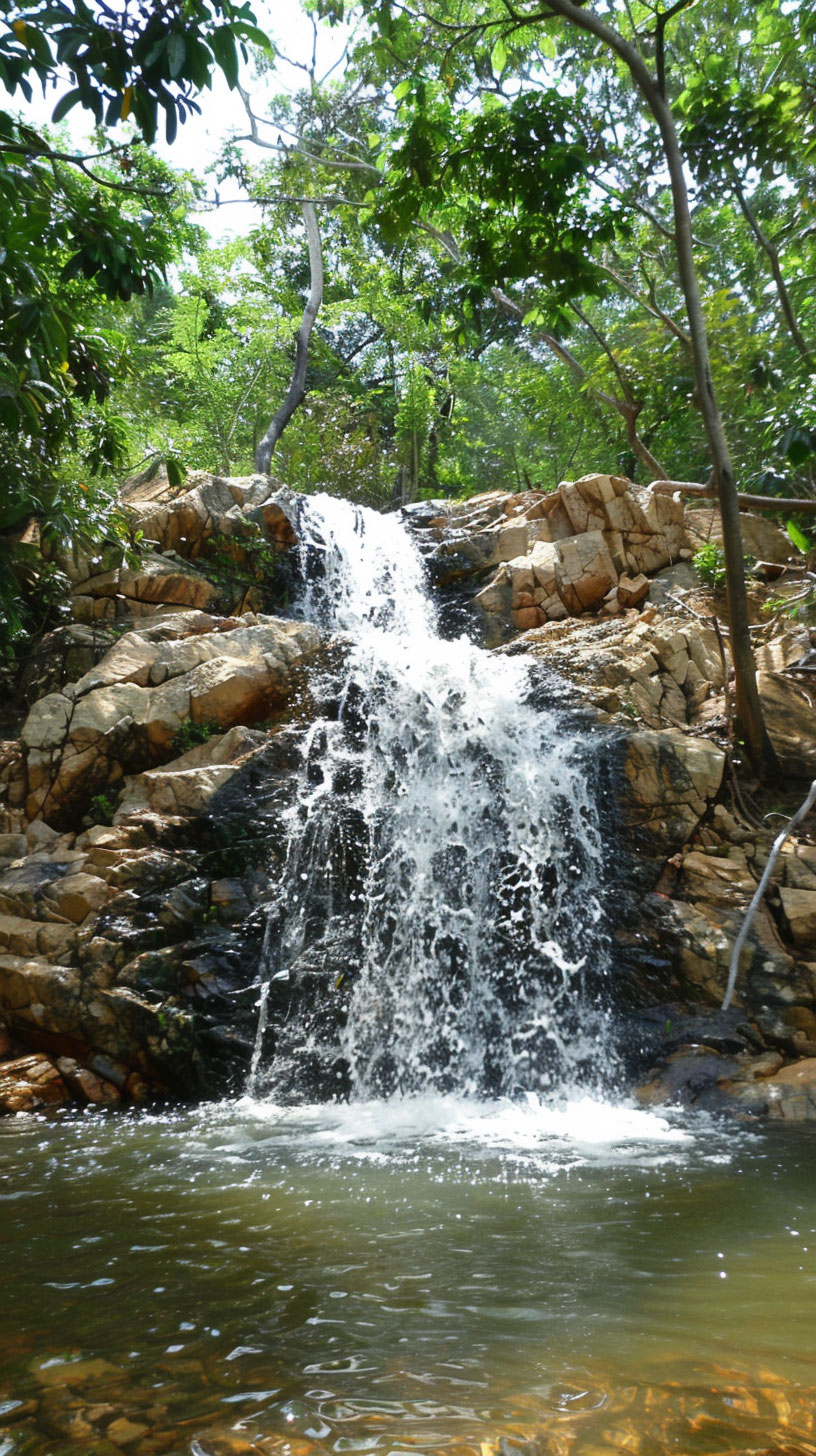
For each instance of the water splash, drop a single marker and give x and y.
(439, 924)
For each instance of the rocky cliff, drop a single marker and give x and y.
(141, 802)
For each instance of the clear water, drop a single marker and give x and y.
(429, 1275)
(445, 857)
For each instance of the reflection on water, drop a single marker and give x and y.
(425, 1275)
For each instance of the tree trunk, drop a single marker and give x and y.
(297, 388)
(749, 710)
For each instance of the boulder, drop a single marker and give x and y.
(584, 571)
(75, 1016)
(715, 879)
(584, 536)
(124, 715)
(30, 1083)
(20, 936)
(156, 582)
(187, 784)
(186, 520)
(791, 1092)
(761, 537)
(699, 938)
(632, 590)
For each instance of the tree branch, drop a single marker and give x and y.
(772, 255)
(628, 411)
(616, 368)
(660, 40)
(760, 891)
(652, 307)
(297, 388)
(80, 162)
(778, 504)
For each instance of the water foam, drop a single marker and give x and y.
(444, 860)
(526, 1124)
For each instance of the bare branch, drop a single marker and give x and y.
(776, 849)
(774, 503)
(598, 336)
(627, 410)
(652, 307)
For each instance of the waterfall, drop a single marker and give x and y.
(438, 924)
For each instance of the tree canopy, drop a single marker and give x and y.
(550, 236)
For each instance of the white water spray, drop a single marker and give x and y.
(440, 921)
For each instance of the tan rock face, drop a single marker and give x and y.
(672, 779)
(187, 520)
(791, 1092)
(155, 582)
(124, 714)
(584, 572)
(228, 519)
(658, 673)
(791, 723)
(563, 554)
(799, 909)
(30, 1083)
(761, 537)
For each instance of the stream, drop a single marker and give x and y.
(430, 1274)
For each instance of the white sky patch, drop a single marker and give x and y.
(200, 139)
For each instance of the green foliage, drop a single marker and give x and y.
(340, 442)
(242, 567)
(102, 808)
(126, 62)
(82, 235)
(510, 180)
(801, 607)
(802, 542)
(61, 519)
(189, 735)
(477, 153)
(709, 561)
(414, 419)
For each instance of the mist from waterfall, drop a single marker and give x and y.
(439, 924)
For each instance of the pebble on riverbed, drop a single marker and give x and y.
(89, 1401)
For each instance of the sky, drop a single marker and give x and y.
(199, 140)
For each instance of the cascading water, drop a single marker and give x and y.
(439, 922)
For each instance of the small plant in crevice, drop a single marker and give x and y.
(709, 562)
(796, 608)
(189, 735)
(242, 568)
(102, 808)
